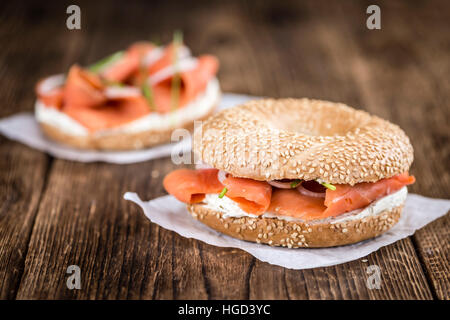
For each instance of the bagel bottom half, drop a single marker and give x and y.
(117, 140)
(293, 234)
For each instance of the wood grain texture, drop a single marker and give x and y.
(399, 278)
(22, 177)
(22, 170)
(73, 213)
(433, 244)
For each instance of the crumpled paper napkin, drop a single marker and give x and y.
(24, 128)
(171, 214)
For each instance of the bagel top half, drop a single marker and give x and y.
(274, 139)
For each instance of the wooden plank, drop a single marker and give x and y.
(86, 223)
(120, 253)
(350, 280)
(433, 244)
(29, 53)
(22, 170)
(22, 176)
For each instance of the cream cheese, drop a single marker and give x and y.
(231, 209)
(196, 109)
(58, 119)
(226, 206)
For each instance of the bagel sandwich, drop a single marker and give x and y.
(131, 99)
(297, 173)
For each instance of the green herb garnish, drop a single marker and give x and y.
(114, 83)
(224, 190)
(295, 183)
(176, 79)
(148, 94)
(156, 41)
(100, 65)
(328, 186)
(178, 38)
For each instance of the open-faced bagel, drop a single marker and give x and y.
(132, 99)
(118, 141)
(303, 139)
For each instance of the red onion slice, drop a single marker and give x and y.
(310, 193)
(152, 56)
(185, 64)
(279, 184)
(51, 83)
(222, 175)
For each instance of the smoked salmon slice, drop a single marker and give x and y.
(347, 198)
(193, 82)
(53, 98)
(166, 59)
(190, 186)
(344, 199)
(128, 64)
(291, 203)
(258, 197)
(252, 196)
(111, 92)
(83, 89)
(110, 115)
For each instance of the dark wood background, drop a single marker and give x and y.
(55, 213)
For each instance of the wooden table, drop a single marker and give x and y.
(56, 213)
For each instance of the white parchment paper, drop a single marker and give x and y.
(171, 214)
(24, 128)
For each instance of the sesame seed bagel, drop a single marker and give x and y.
(305, 139)
(296, 234)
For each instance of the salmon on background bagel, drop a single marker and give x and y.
(297, 173)
(130, 100)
